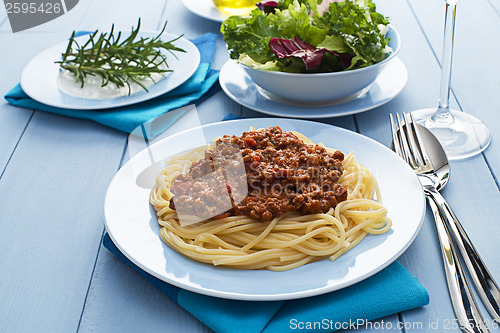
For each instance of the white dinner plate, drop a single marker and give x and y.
(241, 89)
(206, 9)
(39, 77)
(132, 224)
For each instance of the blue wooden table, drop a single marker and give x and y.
(55, 276)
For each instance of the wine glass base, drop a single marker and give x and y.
(465, 137)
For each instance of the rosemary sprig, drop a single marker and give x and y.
(116, 61)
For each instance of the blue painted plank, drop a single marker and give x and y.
(3, 18)
(52, 193)
(475, 77)
(495, 6)
(13, 121)
(12, 125)
(49, 259)
(3, 21)
(423, 258)
(421, 91)
(473, 86)
(121, 300)
(123, 14)
(25, 45)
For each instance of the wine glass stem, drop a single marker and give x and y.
(443, 114)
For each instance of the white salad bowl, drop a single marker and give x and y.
(322, 87)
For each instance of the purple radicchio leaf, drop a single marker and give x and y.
(311, 56)
(267, 6)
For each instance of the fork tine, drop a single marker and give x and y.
(395, 137)
(414, 140)
(420, 141)
(407, 153)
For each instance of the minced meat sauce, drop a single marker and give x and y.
(282, 174)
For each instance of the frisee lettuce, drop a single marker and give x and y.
(350, 28)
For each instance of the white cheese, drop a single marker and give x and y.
(92, 88)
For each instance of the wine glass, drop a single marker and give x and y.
(461, 134)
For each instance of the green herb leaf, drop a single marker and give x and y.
(117, 61)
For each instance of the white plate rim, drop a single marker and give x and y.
(40, 82)
(235, 82)
(410, 230)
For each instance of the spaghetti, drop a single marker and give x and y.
(284, 242)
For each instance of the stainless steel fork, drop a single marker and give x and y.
(411, 142)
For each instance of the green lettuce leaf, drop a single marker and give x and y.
(345, 27)
(249, 36)
(359, 27)
(334, 43)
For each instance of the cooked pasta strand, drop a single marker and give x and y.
(283, 243)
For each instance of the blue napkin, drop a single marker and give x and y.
(388, 292)
(200, 86)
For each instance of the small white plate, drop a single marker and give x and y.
(241, 89)
(39, 77)
(206, 9)
(132, 224)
